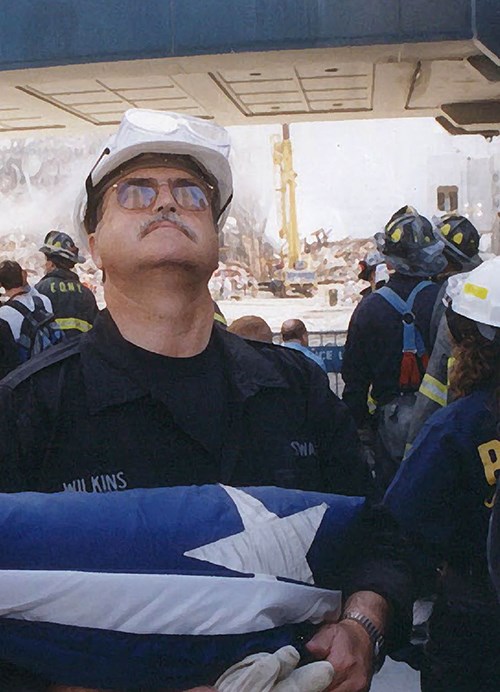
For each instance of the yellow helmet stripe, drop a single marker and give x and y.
(477, 291)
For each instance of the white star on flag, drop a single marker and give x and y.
(268, 544)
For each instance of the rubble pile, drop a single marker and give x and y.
(24, 249)
(91, 277)
(233, 280)
(335, 264)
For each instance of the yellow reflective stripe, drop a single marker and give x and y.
(434, 390)
(73, 323)
(477, 291)
(449, 366)
(372, 404)
(220, 318)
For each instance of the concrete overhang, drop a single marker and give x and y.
(246, 64)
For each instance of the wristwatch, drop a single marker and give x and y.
(376, 636)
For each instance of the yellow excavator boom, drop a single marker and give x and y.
(283, 160)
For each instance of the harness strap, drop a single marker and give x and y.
(412, 339)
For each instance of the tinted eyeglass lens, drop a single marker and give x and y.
(135, 195)
(190, 196)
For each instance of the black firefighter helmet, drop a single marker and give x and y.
(460, 238)
(59, 245)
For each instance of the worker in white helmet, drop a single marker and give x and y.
(157, 394)
(443, 495)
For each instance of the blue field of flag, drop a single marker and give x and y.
(165, 587)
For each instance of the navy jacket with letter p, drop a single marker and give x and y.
(442, 494)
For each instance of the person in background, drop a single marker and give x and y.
(219, 316)
(461, 247)
(20, 316)
(74, 304)
(443, 494)
(295, 335)
(373, 268)
(494, 532)
(387, 343)
(461, 250)
(252, 327)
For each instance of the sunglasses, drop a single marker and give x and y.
(141, 193)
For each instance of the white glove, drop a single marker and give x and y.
(276, 673)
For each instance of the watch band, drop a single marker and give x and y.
(376, 636)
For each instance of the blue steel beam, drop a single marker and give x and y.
(486, 18)
(38, 33)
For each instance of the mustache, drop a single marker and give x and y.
(169, 217)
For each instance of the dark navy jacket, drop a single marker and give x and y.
(9, 351)
(442, 495)
(74, 305)
(98, 414)
(373, 350)
(101, 414)
(494, 542)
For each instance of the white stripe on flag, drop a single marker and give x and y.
(162, 603)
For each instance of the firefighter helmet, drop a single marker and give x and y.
(59, 245)
(408, 241)
(460, 238)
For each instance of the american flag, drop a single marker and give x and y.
(164, 587)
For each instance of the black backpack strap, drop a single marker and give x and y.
(20, 307)
(39, 303)
(33, 320)
(43, 360)
(39, 314)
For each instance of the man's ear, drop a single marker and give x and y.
(24, 275)
(94, 250)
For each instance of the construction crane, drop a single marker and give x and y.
(297, 278)
(283, 160)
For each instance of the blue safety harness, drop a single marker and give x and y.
(412, 338)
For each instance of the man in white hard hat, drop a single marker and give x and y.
(167, 396)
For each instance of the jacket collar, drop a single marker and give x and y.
(61, 273)
(249, 364)
(398, 279)
(112, 370)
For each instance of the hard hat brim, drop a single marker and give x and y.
(47, 251)
(215, 163)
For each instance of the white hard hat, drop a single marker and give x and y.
(381, 273)
(145, 131)
(479, 295)
(373, 259)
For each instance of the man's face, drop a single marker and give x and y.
(168, 233)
